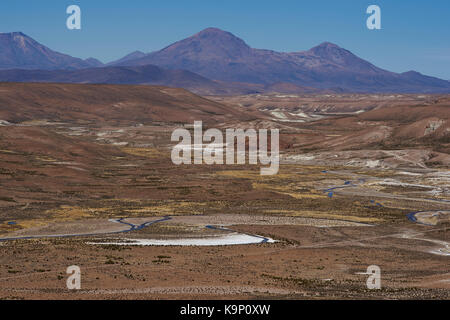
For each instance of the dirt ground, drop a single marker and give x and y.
(346, 197)
(307, 262)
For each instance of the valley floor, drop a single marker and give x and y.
(98, 195)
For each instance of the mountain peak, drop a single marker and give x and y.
(16, 36)
(210, 43)
(131, 56)
(94, 62)
(212, 31)
(217, 35)
(19, 51)
(134, 55)
(137, 52)
(215, 32)
(15, 33)
(325, 47)
(19, 40)
(333, 53)
(327, 44)
(412, 73)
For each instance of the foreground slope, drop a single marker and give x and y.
(108, 104)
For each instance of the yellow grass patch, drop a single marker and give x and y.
(26, 224)
(7, 151)
(288, 190)
(169, 209)
(46, 159)
(144, 152)
(321, 215)
(68, 213)
(63, 214)
(306, 196)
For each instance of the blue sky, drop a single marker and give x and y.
(415, 34)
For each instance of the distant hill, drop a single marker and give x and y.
(132, 56)
(94, 62)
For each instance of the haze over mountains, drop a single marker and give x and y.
(216, 62)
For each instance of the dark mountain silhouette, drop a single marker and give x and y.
(17, 50)
(145, 75)
(220, 55)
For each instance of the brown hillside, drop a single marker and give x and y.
(119, 104)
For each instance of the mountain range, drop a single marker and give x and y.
(214, 62)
